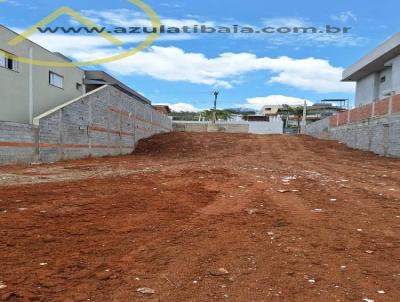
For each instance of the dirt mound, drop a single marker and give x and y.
(183, 143)
(204, 217)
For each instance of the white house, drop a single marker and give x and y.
(377, 74)
(28, 90)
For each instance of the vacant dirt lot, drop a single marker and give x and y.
(204, 217)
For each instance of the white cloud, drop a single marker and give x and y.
(174, 64)
(11, 2)
(77, 45)
(308, 74)
(129, 18)
(255, 103)
(312, 40)
(258, 102)
(117, 17)
(181, 107)
(286, 22)
(172, 5)
(317, 39)
(345, 17)
(224, 70)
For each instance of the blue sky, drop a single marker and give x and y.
(249, 70)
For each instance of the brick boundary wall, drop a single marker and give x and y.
(374, 127)
(396, 104)
(103, 122)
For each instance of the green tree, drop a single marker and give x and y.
(298, 113)
(221, 115)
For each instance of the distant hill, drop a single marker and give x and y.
(194, 116)
(241, 110)
(185, 116)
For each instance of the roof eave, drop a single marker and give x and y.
(374, 61)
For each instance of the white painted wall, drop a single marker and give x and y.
(274, 126)
(386, 86)
(367, 90)
(371, 88)
(32, 82)
(395, 64)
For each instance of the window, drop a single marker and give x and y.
(383, 79)
(56, 80)
(2, 59)
(8, 61)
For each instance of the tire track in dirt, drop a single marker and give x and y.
(164, 218)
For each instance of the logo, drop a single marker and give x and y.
(150, 39)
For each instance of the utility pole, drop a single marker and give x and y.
(304, 121)
(216, 93)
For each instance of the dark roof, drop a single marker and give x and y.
(163, 108)
(98, 77)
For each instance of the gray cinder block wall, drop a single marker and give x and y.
(319, 129)
(380, 134)
(273, 127)
(17, 142)
(207, 127)
(103, 122)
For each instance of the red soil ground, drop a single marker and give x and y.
(290, 218)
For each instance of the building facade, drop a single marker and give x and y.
(271, 110)
(59, 113)
(164, 109)
(28, 89)
(377, 74)
(374, 125)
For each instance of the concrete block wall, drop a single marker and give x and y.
(189, 127)
(228, 128)
(103, 122)
(273, 127)
(17, 143)
(374, 127)
(319, 129)
(379, 135)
